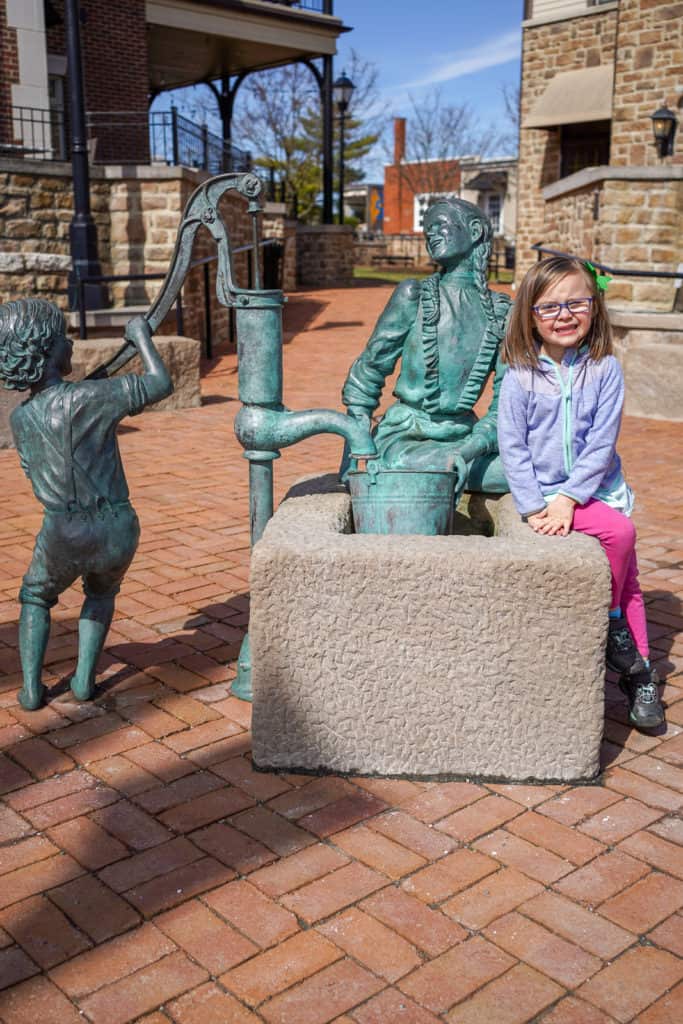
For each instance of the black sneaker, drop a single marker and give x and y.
(645, 709)
(622, 655)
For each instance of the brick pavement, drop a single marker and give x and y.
(148, 873)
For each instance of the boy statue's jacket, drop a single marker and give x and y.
(558, 427)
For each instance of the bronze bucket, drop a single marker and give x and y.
(402, 500)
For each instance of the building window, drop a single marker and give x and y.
(423, 201)
(494, 208)
(584, 145)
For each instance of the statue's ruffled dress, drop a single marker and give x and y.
(447, 332)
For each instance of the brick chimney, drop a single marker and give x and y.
(399, 139)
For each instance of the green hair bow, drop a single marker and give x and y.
(601, 280)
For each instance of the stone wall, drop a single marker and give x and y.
(410, 246)
(627, 222)
(625, 218)
(137, 211)
(547, 49)
(649, 347)
(647, 75)
(276, 224)
(36, 208)
(324, 255)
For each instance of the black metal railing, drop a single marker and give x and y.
(612, 271)
(272, 278)
(32, 133)
(125, 136)
(121, 136)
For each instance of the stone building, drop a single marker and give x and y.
(591, 179)
(410, 186)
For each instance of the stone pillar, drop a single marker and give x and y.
(324, 255)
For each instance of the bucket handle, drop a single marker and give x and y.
(371, 467)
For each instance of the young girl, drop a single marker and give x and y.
(558, 421)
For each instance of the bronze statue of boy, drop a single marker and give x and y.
(65, 433)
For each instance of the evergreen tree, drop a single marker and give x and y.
(278, 117)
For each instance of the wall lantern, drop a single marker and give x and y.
(664, 129)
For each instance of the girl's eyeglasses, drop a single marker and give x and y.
(551, 310)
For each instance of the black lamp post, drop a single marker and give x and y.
(82, 231)
(342, 91)
(664, 129)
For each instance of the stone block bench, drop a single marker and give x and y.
(461, 656)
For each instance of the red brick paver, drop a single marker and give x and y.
(148, 873)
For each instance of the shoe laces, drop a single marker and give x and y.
(622, 639)
(646, 693)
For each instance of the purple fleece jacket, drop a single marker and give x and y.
(558, 428)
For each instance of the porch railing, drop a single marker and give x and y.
(33, 134)
(541, 250)
(119, 137)
(125, 136)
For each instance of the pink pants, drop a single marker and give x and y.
(617, 534)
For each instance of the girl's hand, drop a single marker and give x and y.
(557, 516)
(537, 520)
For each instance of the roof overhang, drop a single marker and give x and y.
(488, 181)
(574, 97)
(190, 41)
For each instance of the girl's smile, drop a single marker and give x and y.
(567, 330)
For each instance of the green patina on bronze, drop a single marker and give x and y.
(65, 433)
(72, 458)
(447, 332)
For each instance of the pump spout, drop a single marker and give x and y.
(265, 429)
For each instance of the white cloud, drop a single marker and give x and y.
(488, 55)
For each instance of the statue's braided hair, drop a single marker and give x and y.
(28, 330)
(479, 261)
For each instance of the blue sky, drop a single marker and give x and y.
(469, 49)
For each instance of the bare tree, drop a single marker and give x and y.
(278, 117)
(511, 97)
(438, 134)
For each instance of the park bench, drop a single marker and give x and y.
(391, 260)
(426, 656)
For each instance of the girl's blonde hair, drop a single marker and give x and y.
(520, 345)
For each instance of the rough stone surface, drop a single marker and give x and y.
(464, 656)
(652, 361)
(636, 223)
(324, 255)
(181, 356)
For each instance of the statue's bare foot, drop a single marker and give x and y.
(82, 690)
(32, 697)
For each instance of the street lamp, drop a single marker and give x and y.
(342, 91)
(82, 230)
(664, 129)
